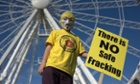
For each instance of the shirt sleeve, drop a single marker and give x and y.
(50, 39)
(81, 48)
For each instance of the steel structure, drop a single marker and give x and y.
(22, 25)
(135, 79)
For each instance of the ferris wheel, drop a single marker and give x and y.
(25, 25)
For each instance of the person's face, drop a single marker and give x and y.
(67, 23)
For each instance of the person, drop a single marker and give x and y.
(60, 56)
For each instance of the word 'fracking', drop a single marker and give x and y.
(105, 66)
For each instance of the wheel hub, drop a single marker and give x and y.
(40, 4)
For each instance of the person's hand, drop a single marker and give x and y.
(41, 68)
(44, 59)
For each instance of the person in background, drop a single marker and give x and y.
(60, 56)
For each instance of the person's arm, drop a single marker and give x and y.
(44, 59)
(84, 55)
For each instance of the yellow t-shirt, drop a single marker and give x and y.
(66, 47)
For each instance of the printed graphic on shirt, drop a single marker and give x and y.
(68, 43)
